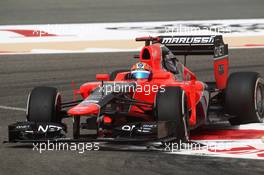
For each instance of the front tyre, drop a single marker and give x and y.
(76, 127)
(44, 105)
(171, 105)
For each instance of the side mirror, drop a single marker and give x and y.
(136, 56)
(102, 77)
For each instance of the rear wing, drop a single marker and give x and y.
(198, 45)
(191, 45)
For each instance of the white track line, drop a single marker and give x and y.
(13, 108)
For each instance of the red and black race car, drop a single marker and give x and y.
(158, 99)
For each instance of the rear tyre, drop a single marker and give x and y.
(114, 73)
(44, 105)
(171, 106)
(244, 98)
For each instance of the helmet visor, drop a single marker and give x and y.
(140, 74)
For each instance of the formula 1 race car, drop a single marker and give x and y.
(158, 99)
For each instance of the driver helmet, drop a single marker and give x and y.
(140, 71)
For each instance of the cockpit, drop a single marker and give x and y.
(170, 61)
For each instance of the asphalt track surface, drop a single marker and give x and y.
(85, 11)
(20, 73)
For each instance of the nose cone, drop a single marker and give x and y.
(84, 109)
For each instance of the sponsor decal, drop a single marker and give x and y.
(221, 69)
(188, 40)
(49, 128)
(140, 65)
(219, 51)
(143, 128)
(22, 126)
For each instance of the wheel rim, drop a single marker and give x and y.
(27, 111)
(259, 101)
(185, 118)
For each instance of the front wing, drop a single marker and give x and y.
(28, 132)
